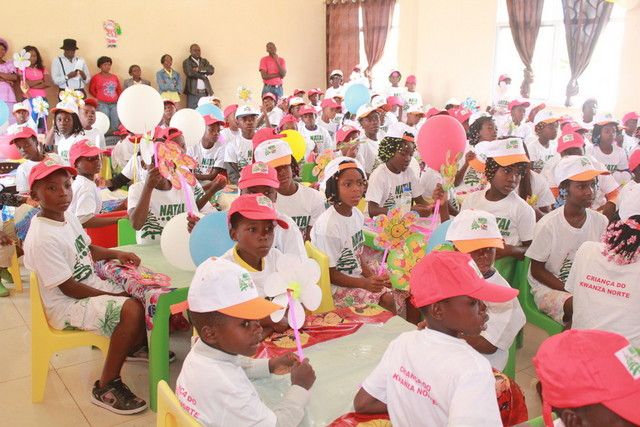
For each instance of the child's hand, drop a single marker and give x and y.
(302, 374)
(422, 324)
(469, 156)
(192, 220)
(439, 194)
(423, 210)
(128, 258)
(374, 284)
(218, 183)
(153, 178)
(282, 364)
(5, 239)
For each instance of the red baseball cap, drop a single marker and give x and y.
(258, 173)
(25, 132)
(169, 134)
(307, 109)
(329, 103)
(503, 77)
(265, 134)
(584, 367)
(230, 110)
(634, 159)
(344, 132)
(433, 111)
(210, 119)
(269, 95)
(288, 118)
(519, 103)
(630, 116)
(442, 275)
(573, 127)
(460, 113)
(91, 101)
(315, 91)
(298, 91)
(45, 168)
(392, 101)
(570, 140)
(255, 206)
(83, 148)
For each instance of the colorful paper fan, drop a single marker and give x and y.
(40, 106)
(21, 59)
(173, 164)
(449, 170)
(401, 261)
(321, 161)
(394, 228)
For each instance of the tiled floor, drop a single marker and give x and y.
(72, 373)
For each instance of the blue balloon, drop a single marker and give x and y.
(4, 112)
(210, 109)
(438, 236)
(210, 237)
(356, 96)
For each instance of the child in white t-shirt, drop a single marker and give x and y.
(411, 97)
(87, 115)
(606, 151)
(209, 154)
(431, 377)
(476, 233)
(214, 384)
(23, 118)
(604, 276)
(369, 119)
(560, 233)
(395, 89)
(27, 144)
(239, 150)
(271, 115)
(630, 126)
(317, 138)
(66, 130)
(335, 82)
(303, 204)
(329, 111)
(231, 129)
(541, 146)
(61, 254)
(514, 124)
(338, 233)
(505, 165)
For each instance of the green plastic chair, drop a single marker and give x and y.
(306, 174)
(507, 268)
(531, 311)
(126, 233)
(536, 422)
(510, 368)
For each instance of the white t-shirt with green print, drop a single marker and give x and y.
(239, 150)
(390, 190)
(164, 205)
(208, 158)
(304, 206)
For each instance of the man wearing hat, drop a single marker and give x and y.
(69, 70)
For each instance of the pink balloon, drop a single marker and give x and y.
(438, 136)
(8, 151)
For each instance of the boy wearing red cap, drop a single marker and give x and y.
(288, 122)
(314, 98)
(271, 115)
(87, 115)
(317, 137)
(215, 385)
(630, 125)
(411, 97)
(26, 141)
(209, 154)
(61, 254)
(23, 118)
(589, 378)
(432, 377)
(328, 116)
(239, 150)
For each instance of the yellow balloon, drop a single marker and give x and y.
(296, 142)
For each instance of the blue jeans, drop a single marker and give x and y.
(276, 90)
(109, 108)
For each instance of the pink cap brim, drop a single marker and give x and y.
(254, 215)
(626, 407)
(493, 293)
(255, 181)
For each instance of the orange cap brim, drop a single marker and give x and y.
(286, 160)
(466, 246)
(510, 160)
(587, 175)
(255, 309)
(477, 165)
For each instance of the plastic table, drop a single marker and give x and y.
(152, 257)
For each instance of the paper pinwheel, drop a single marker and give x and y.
(394, 228)
(294, 285)
(40, 106)
(244, 93)
(402, 261)
(470, 104)
(21, 60)
(175, 165)
(449, 170)
(71, 95)
(321, 161)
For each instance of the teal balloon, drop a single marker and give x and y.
(438, 236)
(4, 112)
(210, 237)
(210, 110)
(356, 96)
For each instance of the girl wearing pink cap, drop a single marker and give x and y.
(411, 97)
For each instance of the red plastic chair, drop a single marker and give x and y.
(107, 236)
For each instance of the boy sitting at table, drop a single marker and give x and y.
(433, 377)
(214, 385)
(59, 251)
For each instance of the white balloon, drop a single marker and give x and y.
(140, 108)
(102, 122)
(191, 123)
(174, 243)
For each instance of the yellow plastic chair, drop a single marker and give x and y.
(45, 341)
(14, 270)
(325, 281)
(170, 413)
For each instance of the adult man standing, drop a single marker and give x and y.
(68, 70)
(197, 70)
(272, 69)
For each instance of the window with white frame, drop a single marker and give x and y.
(389, 60)
(551, 60)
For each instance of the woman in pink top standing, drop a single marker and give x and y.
(8, 77)
(38, 80)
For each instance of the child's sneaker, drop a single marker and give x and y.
(142, 355)
(117, 397)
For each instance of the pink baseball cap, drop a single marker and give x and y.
(46, 168)
(265, 134)
(503, 77)
(344, 132)
(255, 206)
(519, 103)
(307, 109)
(83, 148)
(288, 118)
(230, 110)
(91, 101)
(573, 127)
(329, 103)
(630, 116)
(258, 173)
(315, 91)
(584, 367)
(210, 119)
(25, 132)
(411, 79)
(441, 275)
(634, 159)
(570, 140)
(269, 95)
(460, 113)
(296, 92)
(433, 111)
(392, 101)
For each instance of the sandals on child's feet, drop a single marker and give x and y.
(116, 397)
(142, 355)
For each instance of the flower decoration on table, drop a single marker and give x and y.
(294, 285)
(244, 94)
(174, 165)
(21, 61)
(70, 95)
(401, 261)
(449, 170)
(322, 160)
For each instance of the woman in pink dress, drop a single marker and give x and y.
(38, 80)
(8, 78)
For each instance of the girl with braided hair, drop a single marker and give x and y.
(604, 277)
(560, 233)
(504, 168)
(393, 183)
(606, 151)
